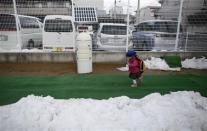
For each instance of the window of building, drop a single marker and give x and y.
(204, 2)
(67, 4)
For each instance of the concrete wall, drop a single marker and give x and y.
(98, 57)
(90, 3)
(38, 11)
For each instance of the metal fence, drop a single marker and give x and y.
(170, 25)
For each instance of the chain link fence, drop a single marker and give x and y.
(170, 25)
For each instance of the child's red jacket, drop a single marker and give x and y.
(134, 65)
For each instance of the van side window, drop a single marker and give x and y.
(114, 30)
(27, 22)
(139, 27)
(170, 27)
(7, 22)
(148, 26)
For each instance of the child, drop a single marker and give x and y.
(134, 64)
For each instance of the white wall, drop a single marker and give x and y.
(116, 10)
(146, 14)
(99, 4)
(98, 57)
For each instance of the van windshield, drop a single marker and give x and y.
(7, 22)
(57, 25)
(114, 30)
(166, 26)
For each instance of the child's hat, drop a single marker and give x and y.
(130, 53)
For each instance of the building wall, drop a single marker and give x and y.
(170, 10)
(147, 13)
(38, 7)
(116, 10)
(99, 4)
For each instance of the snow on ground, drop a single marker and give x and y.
(154, 64)
(200, 63)
(32, 50)
(160, 64)
(178, 111)
(21, 51)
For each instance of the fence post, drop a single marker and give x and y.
(127, 40)
(186, 41)
(138, 13)
(73, 10)
(178, 26)
(17, 25)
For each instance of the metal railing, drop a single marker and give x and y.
(175, 25)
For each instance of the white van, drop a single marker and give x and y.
(58, 33)
(112, 36)
(30, 32)
(156, 35)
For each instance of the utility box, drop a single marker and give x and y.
(84, 53)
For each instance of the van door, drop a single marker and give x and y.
(59, 33)
(31, 32)
(8, 32)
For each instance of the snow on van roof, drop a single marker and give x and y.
(157, 21)
(21, 15)
(58, 16)
(118, 24)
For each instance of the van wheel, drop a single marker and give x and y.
(30, 44)
(40, 46)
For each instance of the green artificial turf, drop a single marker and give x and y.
(173, 61)
(98, 86)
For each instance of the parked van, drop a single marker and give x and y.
(58, 33)
(112, 36)
(29, 28)
(155, 35)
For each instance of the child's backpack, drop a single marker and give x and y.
(142, 66)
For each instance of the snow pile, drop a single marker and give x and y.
(19, 51)
(178, 111)
(32, 50)
(158, 64)
(8, 51)
(200, 63)
(154, 64)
